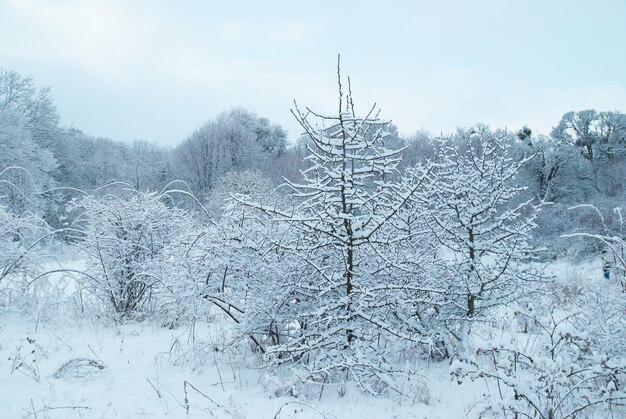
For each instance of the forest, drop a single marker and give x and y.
(480, 273)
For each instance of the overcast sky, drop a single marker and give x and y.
(156, 70)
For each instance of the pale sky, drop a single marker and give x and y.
(156, 69)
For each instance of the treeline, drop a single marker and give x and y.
(583, 160)
(52, 156)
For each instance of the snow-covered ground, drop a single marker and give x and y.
(146, 368)
(196, 371)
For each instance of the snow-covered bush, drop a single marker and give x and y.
(18, 235)
(554, 372)
(125, 240)
(19, 231)
(210, 271)
(553, 357)
(22, 249)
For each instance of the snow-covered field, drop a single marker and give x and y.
(59, 363)
(150, 371)
(147, 370)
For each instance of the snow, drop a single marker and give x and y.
(147, 367)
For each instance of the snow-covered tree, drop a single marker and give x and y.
(484, 240)
(235, 141)
(549, 176)
(29, 133)
(347, 308)
(600, 135)
(32, 164)
(19, 94)
(148, 166)
(581, 129)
